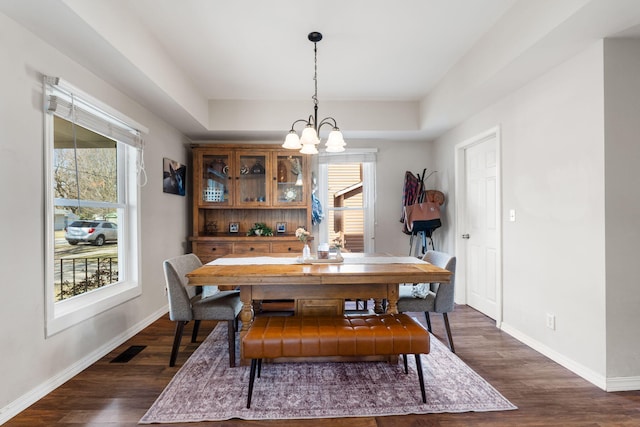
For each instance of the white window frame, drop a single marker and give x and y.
(366, 156)
(66, 313)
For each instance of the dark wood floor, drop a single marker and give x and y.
(110, 394)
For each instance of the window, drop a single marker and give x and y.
(347, 192)
(94, 155)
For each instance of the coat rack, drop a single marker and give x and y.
(420, 211)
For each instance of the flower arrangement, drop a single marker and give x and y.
(302, 234)
(337, 243)
(260, 229)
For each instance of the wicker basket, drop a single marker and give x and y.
(211, 194)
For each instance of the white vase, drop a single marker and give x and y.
(306, 252)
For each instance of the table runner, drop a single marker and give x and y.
(348, 259)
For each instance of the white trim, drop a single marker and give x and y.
(323, 196)
(366, 156)
(38, 392)
(75, 310)
(84, 203)
(64, 314)
(369, 174)
(581, 370)
(459, 167)
(623, 384)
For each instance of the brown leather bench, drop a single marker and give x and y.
(324, 336)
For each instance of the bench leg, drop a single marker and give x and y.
(406, 365)
(252, 377)
(420, 378)
(259, 367)
(428, 319)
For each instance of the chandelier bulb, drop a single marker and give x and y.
(292, 142)
(309, 149)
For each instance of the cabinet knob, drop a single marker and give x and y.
(251, 249)
(289, 249)
(213, 249)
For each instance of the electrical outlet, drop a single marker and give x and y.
(551, 321)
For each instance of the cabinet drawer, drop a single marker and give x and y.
(286, 247)
(209, 251)
(250, 247)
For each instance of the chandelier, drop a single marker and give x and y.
(309, 139)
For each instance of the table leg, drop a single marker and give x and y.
(246, 314)
(392, 298)
(392, 307)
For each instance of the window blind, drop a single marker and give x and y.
(71, 104)
(363, 155)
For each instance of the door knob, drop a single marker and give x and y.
(465, 236)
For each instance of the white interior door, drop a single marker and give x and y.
(480, 232)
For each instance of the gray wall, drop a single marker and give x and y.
(393, 159)
(622, 206)
(569, 169)
(31, 364)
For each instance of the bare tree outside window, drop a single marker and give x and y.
(85, 189)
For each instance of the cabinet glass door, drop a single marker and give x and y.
(252, 183)
(216, 179)
(290, 186)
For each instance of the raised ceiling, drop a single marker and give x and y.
(407, 69)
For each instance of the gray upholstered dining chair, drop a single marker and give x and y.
(432, 297)
(185, 305)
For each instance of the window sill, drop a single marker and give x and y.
(65, 314)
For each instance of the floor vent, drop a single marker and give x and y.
(128, 354)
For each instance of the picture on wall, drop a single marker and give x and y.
(174, 177)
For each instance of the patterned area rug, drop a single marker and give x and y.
(206, 389)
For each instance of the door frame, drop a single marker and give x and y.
(460, 226)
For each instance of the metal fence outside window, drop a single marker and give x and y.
(80, 275)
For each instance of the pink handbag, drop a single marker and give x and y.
(420, 212)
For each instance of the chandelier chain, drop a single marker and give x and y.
(315, 73)
(309, 138)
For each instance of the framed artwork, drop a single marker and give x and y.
(281, 227)
(233, 227)
(174, 177)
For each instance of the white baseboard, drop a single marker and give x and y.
(37, 393)
(586, 373)
(623, 384)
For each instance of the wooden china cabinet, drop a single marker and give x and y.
(238, 185)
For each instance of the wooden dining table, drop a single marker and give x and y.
(283, 276)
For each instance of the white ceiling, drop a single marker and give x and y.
(193, 61)
(371, 49)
